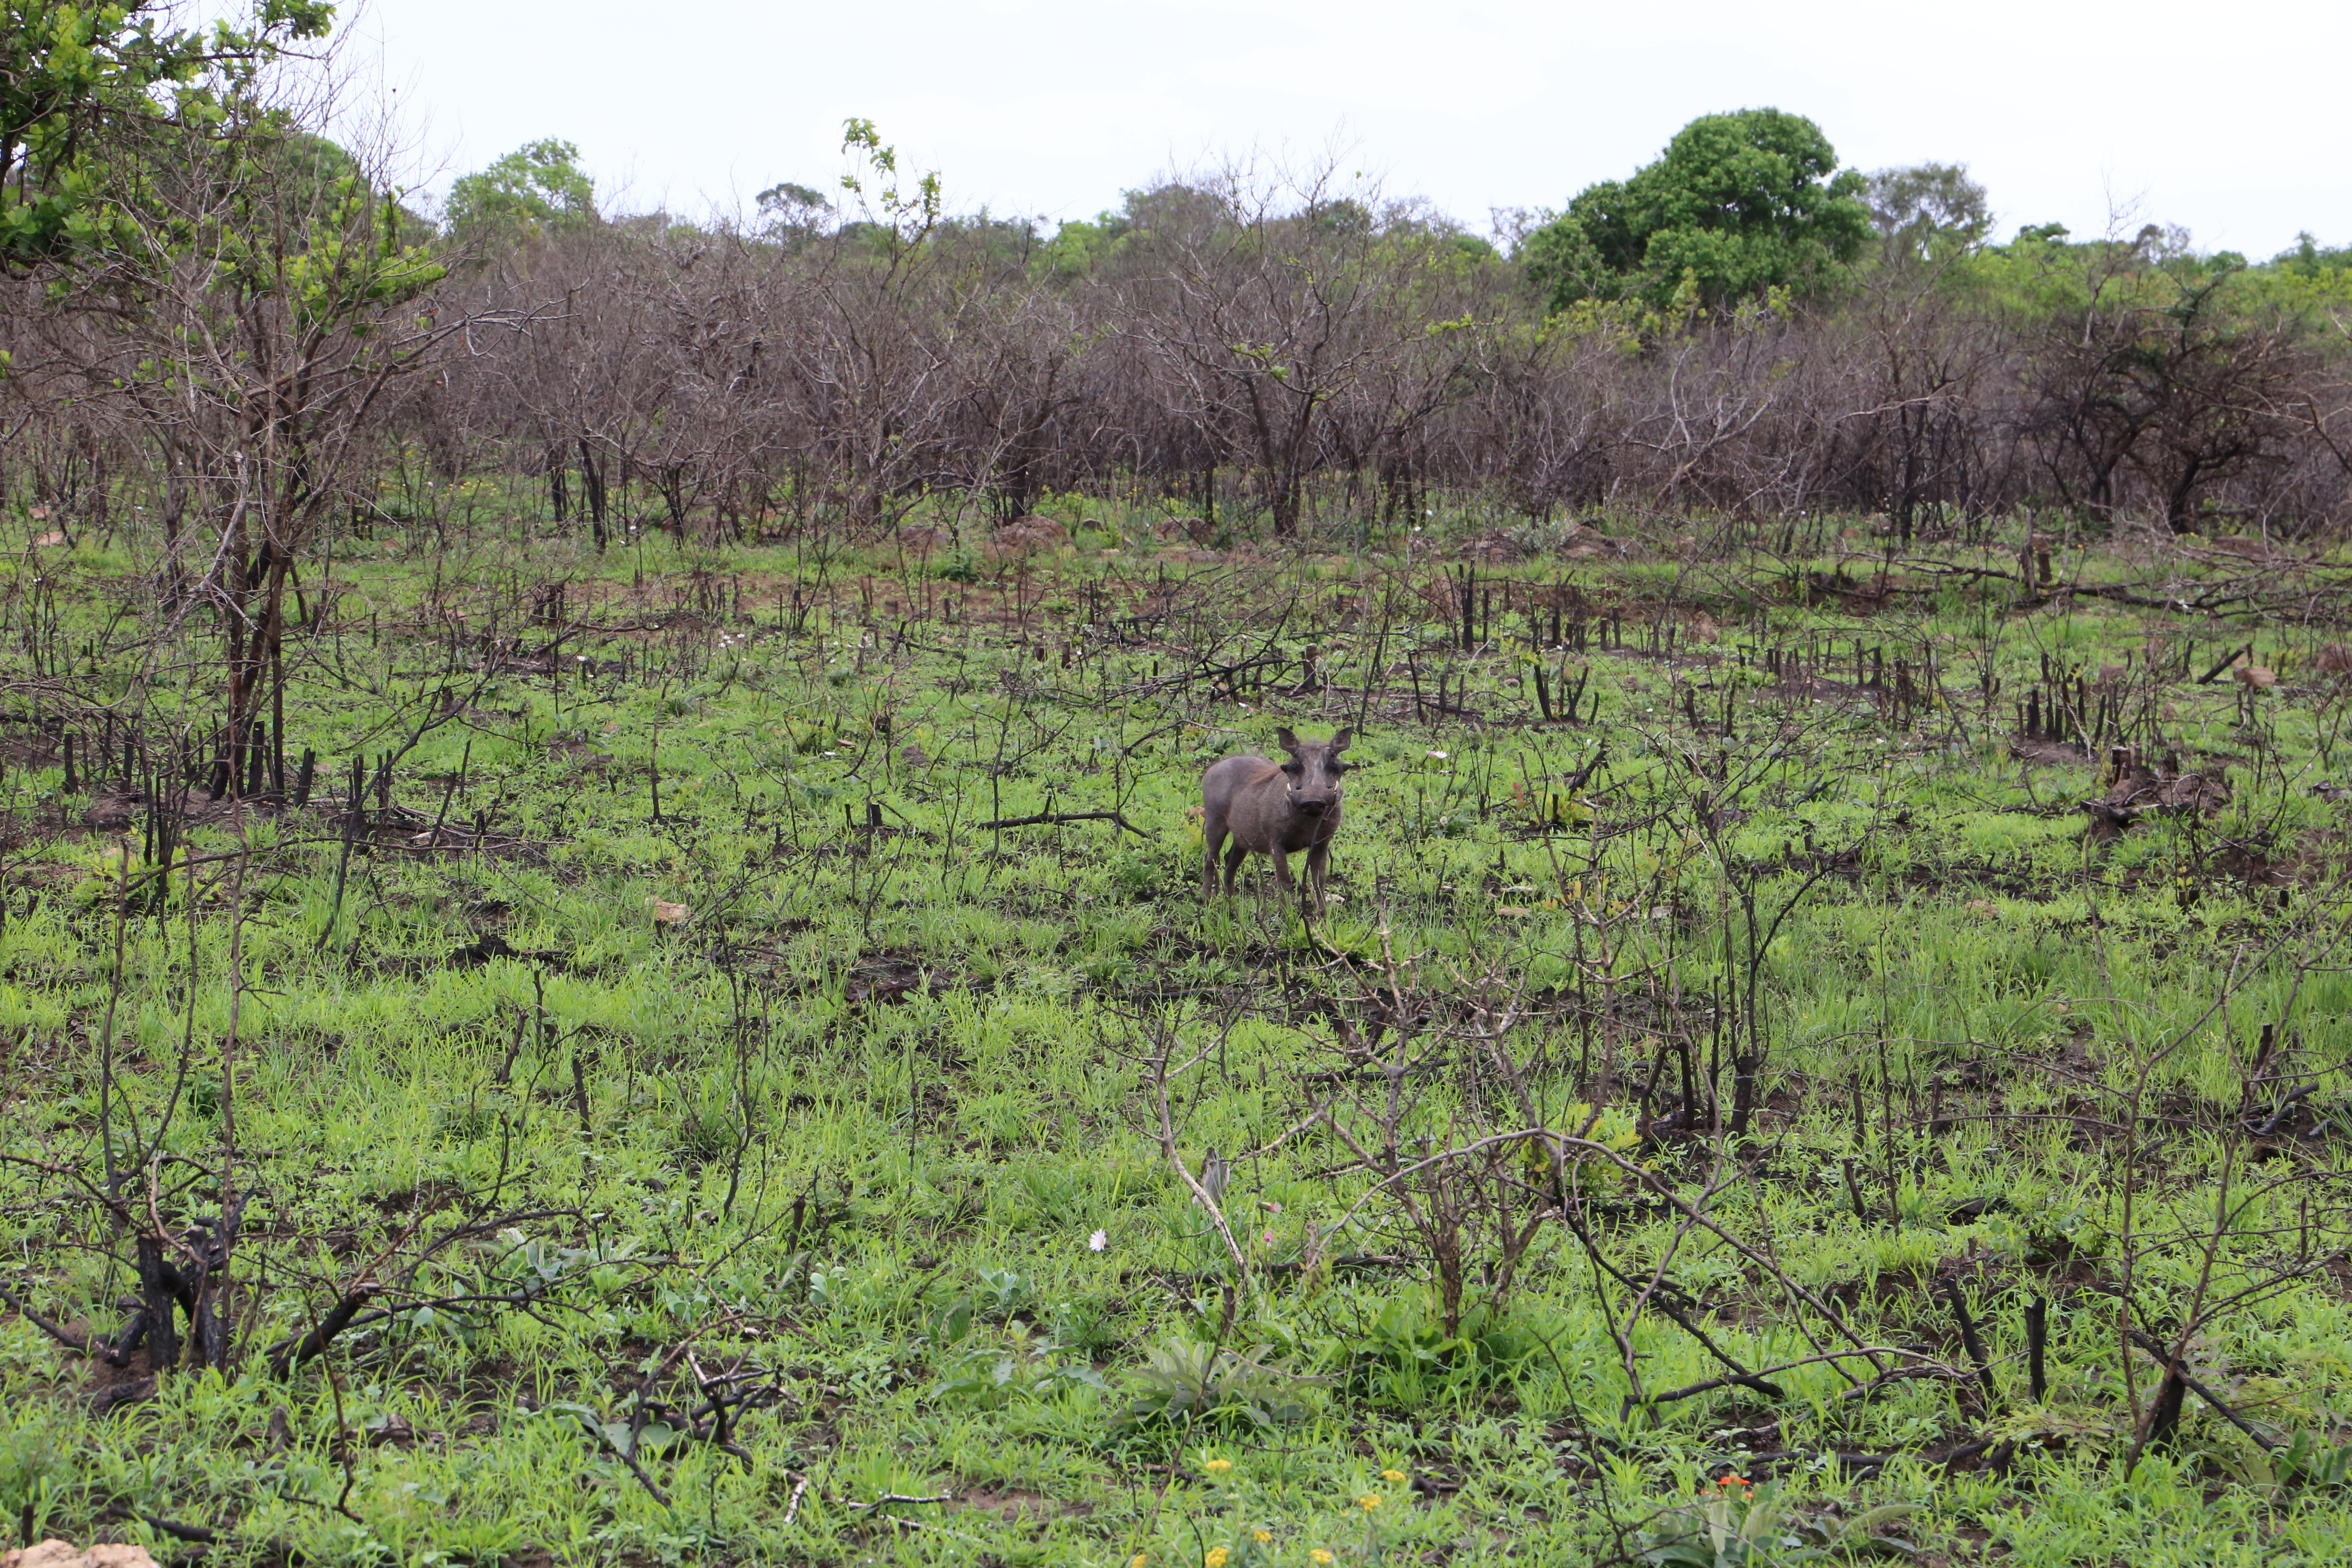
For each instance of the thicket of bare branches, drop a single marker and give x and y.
(1268, 354)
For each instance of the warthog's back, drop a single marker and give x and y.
(1230, 778)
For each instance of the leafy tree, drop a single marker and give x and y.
(786, 196)
(536, 190)
(2310, 259)
(1737, 204)
(1566, 266)
(82, 86)
(1927, 211)
(262, 286)
(1080, 245)
(1343, 218)
(290, 296)
(787, 208)
(2041, 233)
(1473, 248)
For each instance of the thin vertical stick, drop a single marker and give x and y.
(229, 1039)
(2037, 1340)
(1970, 1341)
(106, 1030)
(350, 831)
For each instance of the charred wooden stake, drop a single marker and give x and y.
(352, 812)
(2037, 1340)
(1968, 1340)
(1854, 1192)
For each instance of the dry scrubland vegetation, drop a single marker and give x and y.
(601, 952)
(1776, 1069)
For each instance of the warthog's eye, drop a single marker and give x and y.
(1291, 768)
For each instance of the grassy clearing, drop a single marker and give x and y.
(701, 1124)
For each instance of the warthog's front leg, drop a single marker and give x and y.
(1319, 873)
(1284, 884)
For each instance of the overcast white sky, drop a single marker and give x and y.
(2228, 120)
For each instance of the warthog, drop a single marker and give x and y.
(1275, 809)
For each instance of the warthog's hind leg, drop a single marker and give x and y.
(1213, 836)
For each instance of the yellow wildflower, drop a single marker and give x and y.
(1261, 1536)
(1218, 1466)
(1320, 1558)
(1368, 1501)
(1216, 1557)
(1394, 1478)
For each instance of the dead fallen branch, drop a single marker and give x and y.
(293, 1351)
(81, 1344)
(1055, 818)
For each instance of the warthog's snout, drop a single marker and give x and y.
(1274, 809)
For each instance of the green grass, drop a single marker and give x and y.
(874, 1132)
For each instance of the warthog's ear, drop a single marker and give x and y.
(1289, 742)
(1340, 741)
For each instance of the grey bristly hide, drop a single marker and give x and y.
(1277, 809)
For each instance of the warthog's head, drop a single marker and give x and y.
(1312, 774)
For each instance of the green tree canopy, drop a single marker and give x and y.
(791, 211)
(537, 189)
(1926, 210)
(81, 85)
(1737, 204)
(792, 199)
(2309, 258)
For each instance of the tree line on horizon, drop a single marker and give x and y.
(213, 307)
